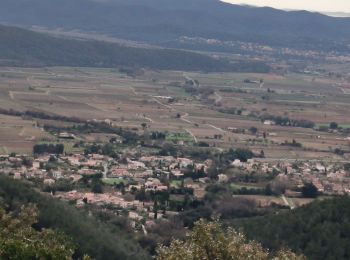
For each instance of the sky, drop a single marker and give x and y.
(324, 6)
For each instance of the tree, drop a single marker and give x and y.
(51, 148)
(243, 154)
(144, 126)
(108, 149)
(279, 185)
(208, 241)
(262, 154)
(339, 151)
(96, 186)
(309, 191)
(155, 209)
(19, 240)
(253, 130)
(347, 167)
(333, 125)
(28, 162)
(141, 195)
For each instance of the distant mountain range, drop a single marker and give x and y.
(164, 22)
(337, 14)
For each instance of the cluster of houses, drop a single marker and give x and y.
(157, 173)
(144, 173)
(329, 178)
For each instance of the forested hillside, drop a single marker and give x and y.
(92, 237)
(320, 230)
(27, 48)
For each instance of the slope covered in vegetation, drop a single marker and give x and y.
(207, 240)
(98, 240)
(320, 230)
(26, 48)
(19, 240)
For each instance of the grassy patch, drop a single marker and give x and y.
(3, 150)
(178, 92)
(176, 137)
(235, 186)
(114, 181)
(177, 198)
(175, 184)
(339, 125)
(290, 202)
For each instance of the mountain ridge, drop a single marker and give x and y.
(159, 22)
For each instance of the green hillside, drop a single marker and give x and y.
(320, 230)
(19, 47)
(92, 237)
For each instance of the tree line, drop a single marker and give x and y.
(48, 149)
(286, 121)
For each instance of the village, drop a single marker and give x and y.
(154, 187)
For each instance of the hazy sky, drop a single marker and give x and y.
(312, 5)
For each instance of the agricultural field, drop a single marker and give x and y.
(161, 101)
(18, 135)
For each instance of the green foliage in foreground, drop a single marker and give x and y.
(98, 240)
(19, 240)
(208, 241)
(320, 230)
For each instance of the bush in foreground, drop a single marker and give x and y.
(19, 240)
(208, 241)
